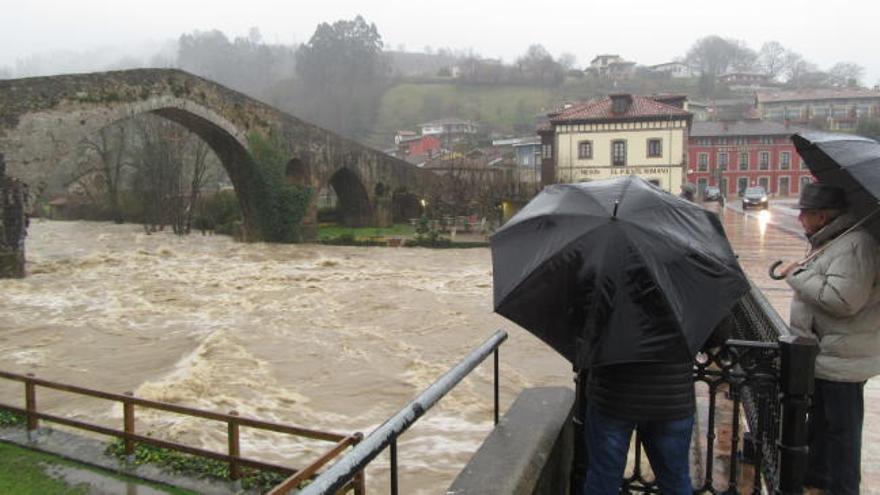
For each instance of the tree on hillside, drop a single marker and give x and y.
(245, 64)
(538, 66)
(846, 74)
(715, 55)
(342, 72)
(771, 59)
(801, 73)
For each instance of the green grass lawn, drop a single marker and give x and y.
(23, 472)
(330, 231)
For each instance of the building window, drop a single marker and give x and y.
(585, 149)
(785, 160)
(764, 160)
(703, 161)
(765, 183)
(784, 186)
(618, 153)
(741, 140)
(704, 142)
(743, 161)
(722, 161)
(655, 148)
(766, 140)
(741, 184)
(547, 150)
(721, 141)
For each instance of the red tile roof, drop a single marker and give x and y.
(600, 109)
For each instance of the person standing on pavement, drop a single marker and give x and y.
(836, 301)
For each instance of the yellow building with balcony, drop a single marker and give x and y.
(621, 134)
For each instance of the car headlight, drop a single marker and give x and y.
(763, 198)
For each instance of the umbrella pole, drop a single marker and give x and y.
(862, 221)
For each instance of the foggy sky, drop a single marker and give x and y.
(645, 31)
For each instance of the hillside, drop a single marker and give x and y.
(503, 109)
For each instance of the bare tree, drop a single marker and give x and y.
(102, 178)
(772, 59)
(846, 74)
(797, 68)
(714, 55)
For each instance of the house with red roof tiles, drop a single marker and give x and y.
(621, 134)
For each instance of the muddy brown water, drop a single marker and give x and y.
(327, 337)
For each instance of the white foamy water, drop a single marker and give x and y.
(334, 338)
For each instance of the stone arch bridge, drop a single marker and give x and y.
(44, 118)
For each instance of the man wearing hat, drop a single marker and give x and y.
(836, 301)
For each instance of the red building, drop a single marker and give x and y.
(419, 145)
(740, 154)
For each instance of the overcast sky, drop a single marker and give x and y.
(645, 31)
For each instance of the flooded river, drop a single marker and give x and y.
(334, 338)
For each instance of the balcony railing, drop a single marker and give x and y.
(765, 376)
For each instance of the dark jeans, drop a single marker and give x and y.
(667, 444)
(835, 437)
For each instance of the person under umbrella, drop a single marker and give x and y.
(625, 281)
(836, 300)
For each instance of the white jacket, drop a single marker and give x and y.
(837, 301)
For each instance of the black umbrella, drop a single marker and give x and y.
(615, 271)
(847, 161)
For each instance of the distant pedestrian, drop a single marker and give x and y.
(836, 301)
(688, 191)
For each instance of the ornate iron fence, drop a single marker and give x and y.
(765, 376)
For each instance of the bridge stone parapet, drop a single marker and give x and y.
(43, 119)
(13, 224)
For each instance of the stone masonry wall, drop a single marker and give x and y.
(13, 224)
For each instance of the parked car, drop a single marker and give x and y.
(755, 196)
(712, 193)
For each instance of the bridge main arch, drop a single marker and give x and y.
(43, 119)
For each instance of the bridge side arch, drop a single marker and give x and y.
(355, 205)
(33, 146)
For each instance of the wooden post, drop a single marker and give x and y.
(128, 424)
(234, 447)
(30, 400)
(360, 483)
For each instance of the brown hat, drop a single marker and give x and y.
(817, 196)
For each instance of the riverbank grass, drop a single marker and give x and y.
(330, 231)
(25, 472)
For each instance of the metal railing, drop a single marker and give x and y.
(338, 475)
(766, 375)
(233, 421)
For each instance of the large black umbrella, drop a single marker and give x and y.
(615, 271)
(847, 161)
(844, 160)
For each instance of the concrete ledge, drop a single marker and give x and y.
(529, 452)
(91, 451)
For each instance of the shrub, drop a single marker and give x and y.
(190, 465)
(279, 207)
